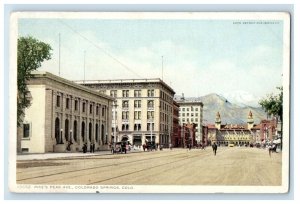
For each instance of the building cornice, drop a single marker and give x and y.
(47, 75)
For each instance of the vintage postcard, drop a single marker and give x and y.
(149, 102)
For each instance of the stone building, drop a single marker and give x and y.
(144, 109)
(237, 134)
(192, 112)
(63, 116)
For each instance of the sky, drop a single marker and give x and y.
(239, 61)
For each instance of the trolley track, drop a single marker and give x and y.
(98, 167)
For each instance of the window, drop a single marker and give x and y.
(26, 130)
(150, 92)
(196, 114)
(125, 115)
(103, 111)
(192, 119)
(125, 93)
(67, 103)
(187, 109)
(196, 119)
(97, 110)
(76, 105)
(83, 107)
(187, 114)
(91, 108)
(58, 101)
(137, 127)
(150, 104)
(124, 104)
(183, 109)
(125, 127)
(192, 114)
(137, 115)
(183, 114)
(183, 120)
(137, 93)
(150, 115)
(150, 126)
(113, 93)
(137, 103)
(192, 108)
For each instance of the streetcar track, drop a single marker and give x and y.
(147, 168)
(97, 167)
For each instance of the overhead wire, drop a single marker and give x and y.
(100, 48)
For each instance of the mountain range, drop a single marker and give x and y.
(231, 113)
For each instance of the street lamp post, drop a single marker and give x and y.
(115, 124)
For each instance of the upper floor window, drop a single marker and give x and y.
(125, 104)
(58, 101)
(150, 114)
(97, 110)
(150, 92)
(83, 107)
(67, 103)
(125, 115)
(137, 115)
(125, 93)
(91, 108)
(113, 93)
(76, 105)
(137, 103)
(150, 104)
(137, 93)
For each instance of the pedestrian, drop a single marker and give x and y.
(214, 147)
(93, 147)
(84, 148)
(144, 147)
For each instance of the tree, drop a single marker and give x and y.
(273, 106)
(31, 53)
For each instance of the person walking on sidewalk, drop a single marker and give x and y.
(214, 147)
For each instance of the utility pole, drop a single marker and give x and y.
(84, 67)
(162, 68)
(59, 54)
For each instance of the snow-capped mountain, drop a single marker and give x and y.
(230, 112)
(242, 98)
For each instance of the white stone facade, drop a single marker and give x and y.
(192, 112)
(140, 105)
(63, 116)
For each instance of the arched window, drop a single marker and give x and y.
(97, 132)
(102, 134)
(67, 130)
(75, 130)
(90, 131)
(83, 131)
(57, 131)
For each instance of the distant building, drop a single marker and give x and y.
(241, 134)
(63, 116)
(191, 112)
(144, 109)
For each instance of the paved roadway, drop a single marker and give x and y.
(231, 166)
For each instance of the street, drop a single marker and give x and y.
(230, 166)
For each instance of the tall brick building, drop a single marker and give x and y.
(62, 114)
